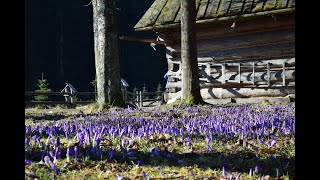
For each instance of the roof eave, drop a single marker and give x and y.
(221, 19)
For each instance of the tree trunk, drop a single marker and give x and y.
(190, 72)
(112, 56)
(99, 43)
(106, 52)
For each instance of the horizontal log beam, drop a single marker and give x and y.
(243, 41)
(138, 39)
(274, 62)
(222, 93)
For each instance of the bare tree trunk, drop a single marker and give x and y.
(112, 56)
(95, 34)
(99, 43)
(190, 72)
(106, 52)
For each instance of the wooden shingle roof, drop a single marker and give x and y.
(167, 12)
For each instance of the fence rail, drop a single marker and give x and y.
(135, 98)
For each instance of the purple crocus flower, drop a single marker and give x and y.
(208, 139)
(76, 152)
(155, 151)
(111, 153)
(123, 142)
(238, 176)
(80, 136)
(119, 177)
(139, 162)
(27, 162)
(58, 142)
(68, 154)
(159, 169)
(54, 167)
(47, 160)
(190, 142)
(223, 171)
(250, 172)
(262, 178)
(231, 176)
(209, 148)
(28, 141)
(221, 155)
(131, 142)
(57, 154)
(270, 144)
(256, 169)
(98, 140)
(144, 175)
(33, 176)
(52, 154)
(182, 139)
(191, 174)
(52, 140)
(131, 153)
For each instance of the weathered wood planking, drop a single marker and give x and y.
(257, 52)
(242, 27)
(178, 18)
(202, 9)
(249, 54)
(270, 4)
(222, 93)
(258, 5)
(150, 17)
(282, 4)
(291, 3)
(247, 40)
(169, 12)
(247, 6)
(212, 8)
(223, 7)
(236, 7)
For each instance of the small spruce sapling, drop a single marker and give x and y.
(43, 87)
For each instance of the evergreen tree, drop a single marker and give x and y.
(43, 87)
(159, 90)
(144, 90)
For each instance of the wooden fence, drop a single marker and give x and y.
(137, 98)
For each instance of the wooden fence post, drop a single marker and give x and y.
(268, 72)
(253, 73)
(223, 71)
(284, 74)
(141, 104)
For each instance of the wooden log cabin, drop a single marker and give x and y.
(246, 48)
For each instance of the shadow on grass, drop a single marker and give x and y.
(240, 161)
(48, 117)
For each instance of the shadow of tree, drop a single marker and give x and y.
(240, 161)
(48, 117)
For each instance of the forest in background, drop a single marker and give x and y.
(138, 60)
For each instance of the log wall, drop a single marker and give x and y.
(252, 60)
